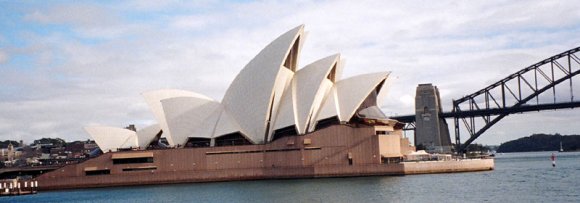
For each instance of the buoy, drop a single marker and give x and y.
(553, 158)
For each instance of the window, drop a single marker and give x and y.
(284, 132)
(232, 139)
(98, 172)
(138, 160)
(327, 122)
(141, 168)
(350, 162)
(198, 142)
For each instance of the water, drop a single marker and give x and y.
(518, 177)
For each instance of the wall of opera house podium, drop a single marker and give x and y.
(335, 151)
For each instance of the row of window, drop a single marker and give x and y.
(139, 160)
(108, 171)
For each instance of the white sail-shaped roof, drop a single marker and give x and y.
(255, 94)
(313, 85)
(353, 91)
(268, 94)
(280, 98)
(303, 98)
(383, 92)
(146, 135)
(226, 125)
(373, 112)
(153, 99)
(112, 138)
(285, 115)
(190, 117)
(327, 87)
(329, 106)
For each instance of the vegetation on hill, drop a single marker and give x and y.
(542, 142)
(4, 144)
(54, 142)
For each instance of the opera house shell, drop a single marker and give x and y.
(269, 98)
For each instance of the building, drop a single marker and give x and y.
(270, 98)
(10, 155)
(275, 121)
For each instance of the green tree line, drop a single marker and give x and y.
(542, 142)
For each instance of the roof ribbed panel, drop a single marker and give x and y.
(226, 125)
(383, 92)
(325, 89)
(329, 106)
(153, 99)
(304, 97)
(251, 98)
(190, 117)
(112, 138)
(353, 91)
(311, 89)
(287, 110)
(146, 135)
(280, 99)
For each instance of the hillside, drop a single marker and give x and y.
(542, 142)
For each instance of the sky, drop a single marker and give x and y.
(69, 64)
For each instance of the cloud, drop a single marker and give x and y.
(75, 15)
(87, 20)
(153, 5)
(91, 61)
(3, 56)
(191, 22)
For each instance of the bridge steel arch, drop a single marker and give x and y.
(514, 94)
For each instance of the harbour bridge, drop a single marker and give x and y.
(546, 85)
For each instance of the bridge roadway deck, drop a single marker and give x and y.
(496, 111)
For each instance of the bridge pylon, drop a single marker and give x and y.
(432, 132)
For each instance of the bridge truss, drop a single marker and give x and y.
(524, 91)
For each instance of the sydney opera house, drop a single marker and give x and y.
(275, 121)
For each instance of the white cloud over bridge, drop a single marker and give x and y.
(65, 66)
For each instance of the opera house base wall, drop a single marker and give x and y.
(465, 165)
(336, 151)
(273, 173)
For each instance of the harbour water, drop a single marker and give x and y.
(518, 177)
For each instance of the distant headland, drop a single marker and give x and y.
(542, 142)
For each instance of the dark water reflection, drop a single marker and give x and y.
(519, 177)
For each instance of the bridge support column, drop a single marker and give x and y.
(432, 132)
